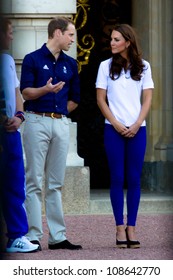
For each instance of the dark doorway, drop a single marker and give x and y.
(101, 17)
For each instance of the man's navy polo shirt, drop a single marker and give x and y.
(38, 67)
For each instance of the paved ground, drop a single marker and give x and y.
(96, 233)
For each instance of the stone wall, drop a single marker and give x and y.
(30, 20)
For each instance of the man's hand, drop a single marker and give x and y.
(54, 88)
(12, 124)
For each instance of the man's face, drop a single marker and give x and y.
(66, 38)
(7, 37)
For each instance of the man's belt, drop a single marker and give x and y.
(51, 115)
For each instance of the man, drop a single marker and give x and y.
(50, 87)
(12, 175)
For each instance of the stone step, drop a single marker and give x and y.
(150, 203)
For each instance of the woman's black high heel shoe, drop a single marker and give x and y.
(121, 244)
(120, 233)
(133, 244)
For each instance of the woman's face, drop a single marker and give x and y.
(119, 44)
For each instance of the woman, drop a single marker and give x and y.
(124, 93)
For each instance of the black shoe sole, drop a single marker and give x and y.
(64, 245)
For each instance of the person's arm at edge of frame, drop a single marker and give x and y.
(14, 123)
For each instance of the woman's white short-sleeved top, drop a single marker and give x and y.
(124, 94)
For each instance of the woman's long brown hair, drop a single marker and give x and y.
(118, 62)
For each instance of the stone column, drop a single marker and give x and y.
(164, 147)
(155, 23)
(76, 190)
(148, 26)
(73, 159)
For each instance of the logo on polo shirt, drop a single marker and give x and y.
(64, 69)
(45, 67)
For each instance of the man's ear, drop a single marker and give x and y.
(58, 32)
